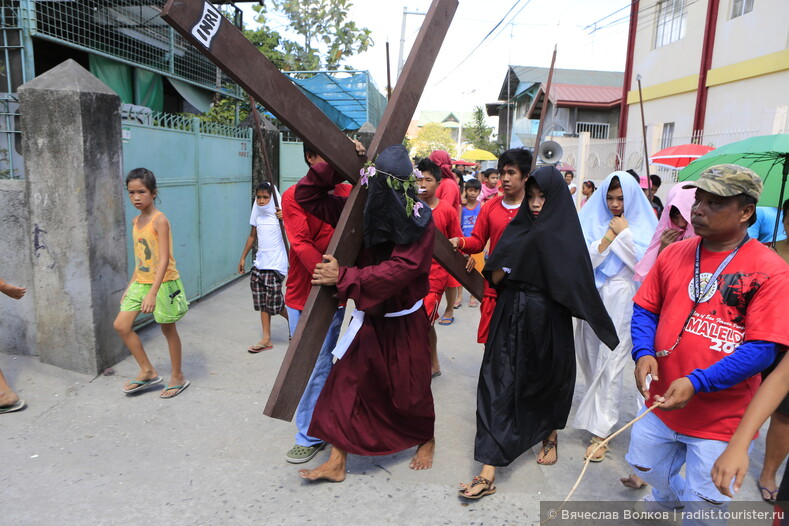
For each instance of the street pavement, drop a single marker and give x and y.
(85, 453)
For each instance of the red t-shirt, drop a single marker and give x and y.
(309, 238)
(449, 192)
(447, 222)
(750, 301)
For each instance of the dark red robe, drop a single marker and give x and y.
(377, 398)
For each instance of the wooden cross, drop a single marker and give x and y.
(200, 23)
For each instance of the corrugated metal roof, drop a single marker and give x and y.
(519, 75)
(575, 93)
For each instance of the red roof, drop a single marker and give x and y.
(576, 95)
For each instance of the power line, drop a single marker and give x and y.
(485, 38)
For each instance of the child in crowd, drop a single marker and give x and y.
(155, 286)
(445, 219)
(9, 401)
(491, 187)
(468, 217)
(271, 262)
(587, 189)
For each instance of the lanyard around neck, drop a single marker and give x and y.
(698, 295)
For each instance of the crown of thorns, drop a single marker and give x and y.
(401, 184)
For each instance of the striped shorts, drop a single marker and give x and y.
(266, 291)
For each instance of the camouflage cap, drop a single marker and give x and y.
(727, 180)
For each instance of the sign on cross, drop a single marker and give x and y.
(200, 23)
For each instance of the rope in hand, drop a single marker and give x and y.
(603, 443)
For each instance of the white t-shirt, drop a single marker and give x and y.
(271, 254)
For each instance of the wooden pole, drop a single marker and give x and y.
(543, 111)
(388, 74)
(269, 174)
(644, 133)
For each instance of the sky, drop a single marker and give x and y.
(470, 71)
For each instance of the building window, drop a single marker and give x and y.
(670, 22)
(597, 130)
(740, 7)
(668, 135)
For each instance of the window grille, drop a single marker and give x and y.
(597, 130)
(667, 136)
(670, 22)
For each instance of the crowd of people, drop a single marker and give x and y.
(683, 290)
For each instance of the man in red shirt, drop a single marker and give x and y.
(309, 238)
(493, 218)
(711, 314)
(445, 219)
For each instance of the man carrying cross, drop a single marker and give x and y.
(377, 399)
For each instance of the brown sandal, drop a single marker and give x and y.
(489, 489)
(547, 446)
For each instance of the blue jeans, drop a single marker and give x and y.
(318, 377)
(657, 454)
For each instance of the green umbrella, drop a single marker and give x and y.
(767, 155)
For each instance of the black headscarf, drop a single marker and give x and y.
(549, 252)
(385, 217)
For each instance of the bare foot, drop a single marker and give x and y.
(633, 482)
(142, 377)
(423, 458)
(174, 381)
(328, 471)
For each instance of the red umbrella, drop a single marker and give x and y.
(564, 167)
(679, 156)
(464, 163)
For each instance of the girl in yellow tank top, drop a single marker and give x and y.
(155, 287)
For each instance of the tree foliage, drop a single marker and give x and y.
(480, 134)
(327, 37)
(432, 137)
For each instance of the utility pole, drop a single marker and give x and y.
(400, 60)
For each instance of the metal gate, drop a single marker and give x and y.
(204, 175)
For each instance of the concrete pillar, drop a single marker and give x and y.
(71, 142)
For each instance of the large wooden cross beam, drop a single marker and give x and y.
(200, 23)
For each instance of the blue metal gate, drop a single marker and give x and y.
(204, 175)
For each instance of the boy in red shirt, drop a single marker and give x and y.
(710, 315)
(514, 166)
(446, 221)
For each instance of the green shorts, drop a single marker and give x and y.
(171, 304)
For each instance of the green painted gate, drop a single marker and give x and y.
(204, 175)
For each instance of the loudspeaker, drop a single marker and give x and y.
(550, 152)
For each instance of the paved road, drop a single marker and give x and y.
(85, 453)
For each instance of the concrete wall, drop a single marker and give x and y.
(17, 236)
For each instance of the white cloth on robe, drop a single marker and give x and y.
(602, 368)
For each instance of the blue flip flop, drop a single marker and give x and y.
(141, 384)
(446, 321)
(178, 388)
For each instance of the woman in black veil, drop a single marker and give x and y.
(544, 277)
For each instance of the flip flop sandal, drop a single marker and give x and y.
(489, 489)
(602, 451)
(179, 389)
(446, 321)
(17, 406)
(141, 384)
(547, 446)
(773, 495)
(258, 348)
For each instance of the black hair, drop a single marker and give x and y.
(615, 183)
(426, 165)
(785, 208)
(458, 173)
(474, 184)
(308, 150)
(744, 200)
(590, 184)
(674, 212)
(520, 157)
(570, 173)
(635, 176)
(490, 171)
(263, 187)
(656, 180)
(146, 177)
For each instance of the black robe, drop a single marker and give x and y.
(527, 377)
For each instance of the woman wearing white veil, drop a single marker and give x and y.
(618, 223)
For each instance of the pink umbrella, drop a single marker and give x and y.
(679, 156)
